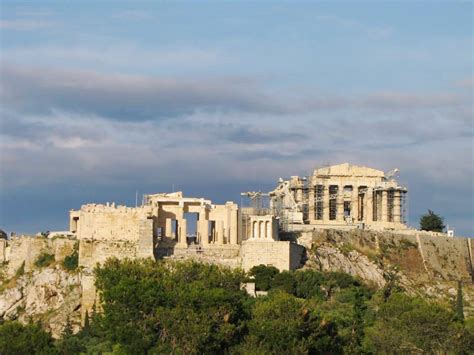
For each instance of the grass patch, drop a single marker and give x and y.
(407, 244)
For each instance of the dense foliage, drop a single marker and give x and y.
(432, 222)
(191, 308)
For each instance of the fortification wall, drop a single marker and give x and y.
(27, 249)
(426, 256)
(101, 222)
(93, 252)
(284, 255)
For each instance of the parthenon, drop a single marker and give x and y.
(342, 195)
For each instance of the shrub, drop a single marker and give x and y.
(16, 338)
(71, 262)
(264, 276)
(44, 260)
(21, 270)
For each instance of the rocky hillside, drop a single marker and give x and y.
(424, 266)
(39, 281)
(50, 295)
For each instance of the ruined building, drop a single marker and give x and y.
(341, 196)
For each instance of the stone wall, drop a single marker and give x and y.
(419, 254)
(27, 249)
(283, 255)
(107, 222)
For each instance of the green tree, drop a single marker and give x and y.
(285, 281)
(410, 324)
(284, 324)
(432, 222)
(181, 307)
(16, 338)
(263, 276)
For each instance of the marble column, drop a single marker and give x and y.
(203, 227)
(220, 232)
(262, 229)
(340, 204)
(384, 206)
(168, 232)
(397, 206)
(369, 205)
(326, 204)
(234, 216)
(182, 230)
(355, 203)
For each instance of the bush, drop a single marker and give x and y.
(16, 338)
(263, 276)
(284, 324)
(71, 262)
(285, 281)
(44, 260)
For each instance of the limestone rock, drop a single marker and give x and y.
(50, 295)
(330, 258)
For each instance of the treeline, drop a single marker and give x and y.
(192, 308)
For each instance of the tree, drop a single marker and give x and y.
(284, 324)
(410, 324)
(264, 276)
(16, 338)
(171, 307)
(432, 222)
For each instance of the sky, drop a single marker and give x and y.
(101, 99)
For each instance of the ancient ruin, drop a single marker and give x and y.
(342, 196)
(170, 225)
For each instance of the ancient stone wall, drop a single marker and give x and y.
(428, 257)
(27, 249)
(107, 222)
(283, 255)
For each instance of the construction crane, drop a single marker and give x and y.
(392, 174)
(255, 197)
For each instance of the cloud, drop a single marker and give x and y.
(127, 98)
(25, 24)
(140, 98)
(120, 56)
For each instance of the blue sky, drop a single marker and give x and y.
(100, 99)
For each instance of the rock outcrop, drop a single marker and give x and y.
(49, 295)
(419, 266)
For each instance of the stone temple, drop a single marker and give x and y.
(342, 196)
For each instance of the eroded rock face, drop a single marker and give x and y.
(50, 295)
(329, 258)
